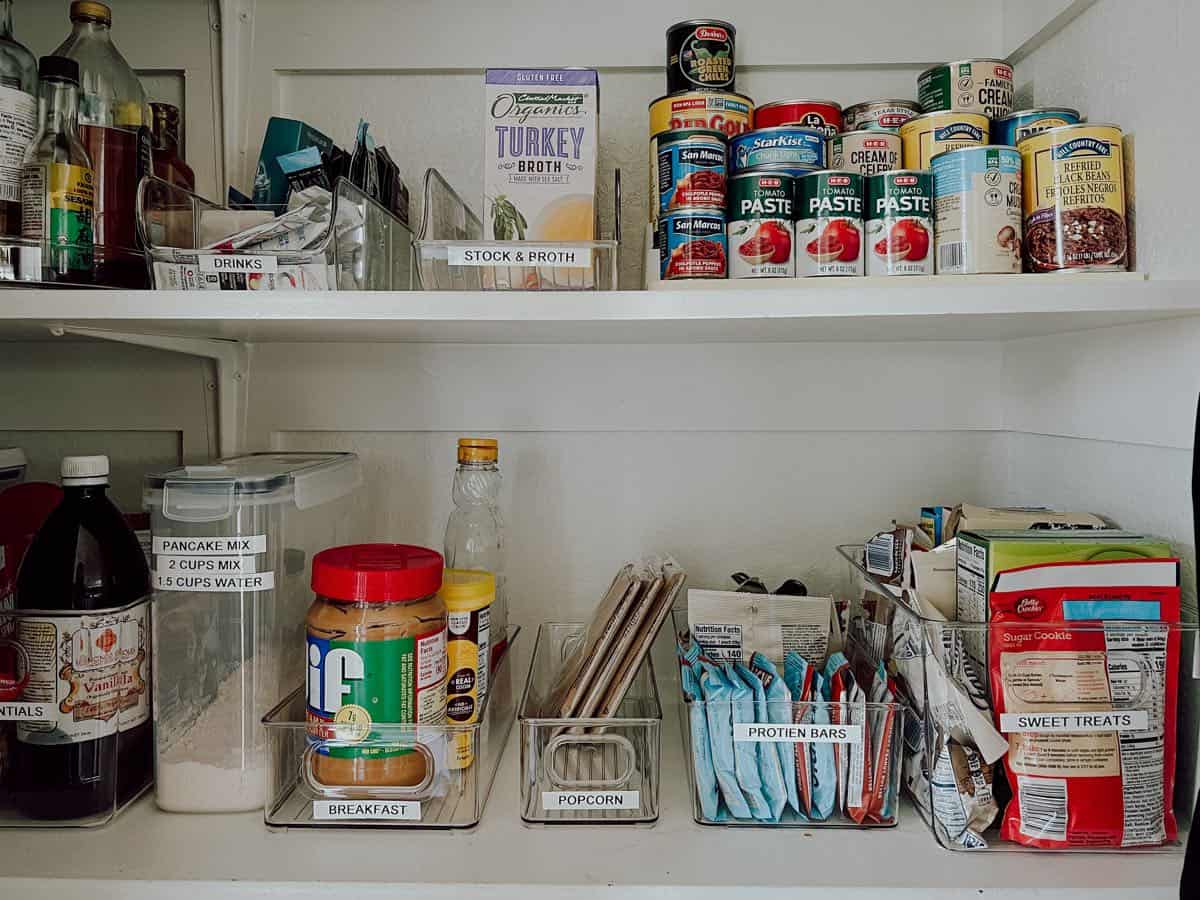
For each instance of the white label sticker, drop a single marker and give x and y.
(403, 810)
(1071, 722)
(591, 800)
(797, 734)
(225, 565)
(517, 254)
(210, 546)
(25, 712)
(262, 581)
(216, 263)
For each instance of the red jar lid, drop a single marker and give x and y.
(376, 573)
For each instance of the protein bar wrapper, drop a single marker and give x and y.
(1084, 681)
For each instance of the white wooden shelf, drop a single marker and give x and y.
(147, 854)
(862, 309)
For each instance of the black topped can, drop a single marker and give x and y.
(700, 56)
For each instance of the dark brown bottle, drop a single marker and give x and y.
(92, 665)
(166, 129)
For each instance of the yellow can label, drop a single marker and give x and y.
(1074, 198)
(926, 136)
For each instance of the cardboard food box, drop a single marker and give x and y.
(283, 136)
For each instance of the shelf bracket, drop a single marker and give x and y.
(232, 360)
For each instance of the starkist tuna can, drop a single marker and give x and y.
(796, 151)
(689, 171)
(700, 56)
(1013, 129)
(692, 244)
(823, 115)
(721, 111)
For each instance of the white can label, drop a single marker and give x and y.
(552, 256)
(797, 734)
(591, 800)
(90, 672)
(18, 124)
(1075, 722)
(396, 810)
(210, 564)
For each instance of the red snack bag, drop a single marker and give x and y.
(1084, 675)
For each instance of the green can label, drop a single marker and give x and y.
(761, 229)
(983, 86)
(57, 208)
(900, 223)
(830, 224)
(353, 685)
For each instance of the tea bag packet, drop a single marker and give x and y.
(822, 767)
(745, 754)
(769, 769)
(702, 759)
(718, 707)
(798, 675)
(779, 712)
(732, 625)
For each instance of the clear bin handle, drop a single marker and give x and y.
(573, 741)
(374, 792)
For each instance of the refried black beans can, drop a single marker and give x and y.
(700, 56)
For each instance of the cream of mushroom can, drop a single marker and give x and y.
(865, 152)
(977, 211)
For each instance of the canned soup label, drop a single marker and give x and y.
(899, 224)
(830, 224)
(760, 225)
(977, 208)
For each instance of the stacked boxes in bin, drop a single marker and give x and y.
(1064, 697)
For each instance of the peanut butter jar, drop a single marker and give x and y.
(376, 655)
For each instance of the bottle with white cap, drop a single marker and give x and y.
(88, 643)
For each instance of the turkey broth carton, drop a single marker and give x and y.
(540, 147)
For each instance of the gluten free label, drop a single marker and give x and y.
(799, 733)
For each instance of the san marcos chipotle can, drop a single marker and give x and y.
(983, 86)
(1014, 128)
(761, 225)
(823, 115)
(721, 111)
(796, 151)
(1074, 204)
(700, 56)
(829, 226)
(924, 137)
(865, 152)
(690, 169)
(879, 115)
(899, 233)
(692, 244)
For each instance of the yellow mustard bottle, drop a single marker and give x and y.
(468, 596)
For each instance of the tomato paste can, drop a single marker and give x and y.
(823, 115)
(700, 56)
(899, 233)
(761, 225)
(879, 115)
(1074, 206)
(866, 152)
(689, 169)
(691, 244)
(796, 151)
(829, 226)
(924, 137)
(977, 211)
(983, 86)
(721, 111)
(1014, 128)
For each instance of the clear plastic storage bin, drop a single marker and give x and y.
(453, 256)
(957, 748)
(449, 797)
(857, 744)
(232, 548)
(103, 769)
(362, 246)
(588, 771)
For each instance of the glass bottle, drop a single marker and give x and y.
(18, 118)
(57, 182)
(475, 529)
(114, 126)
(88, 761)
(166, 131)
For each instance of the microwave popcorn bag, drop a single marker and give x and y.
(1053, 677)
